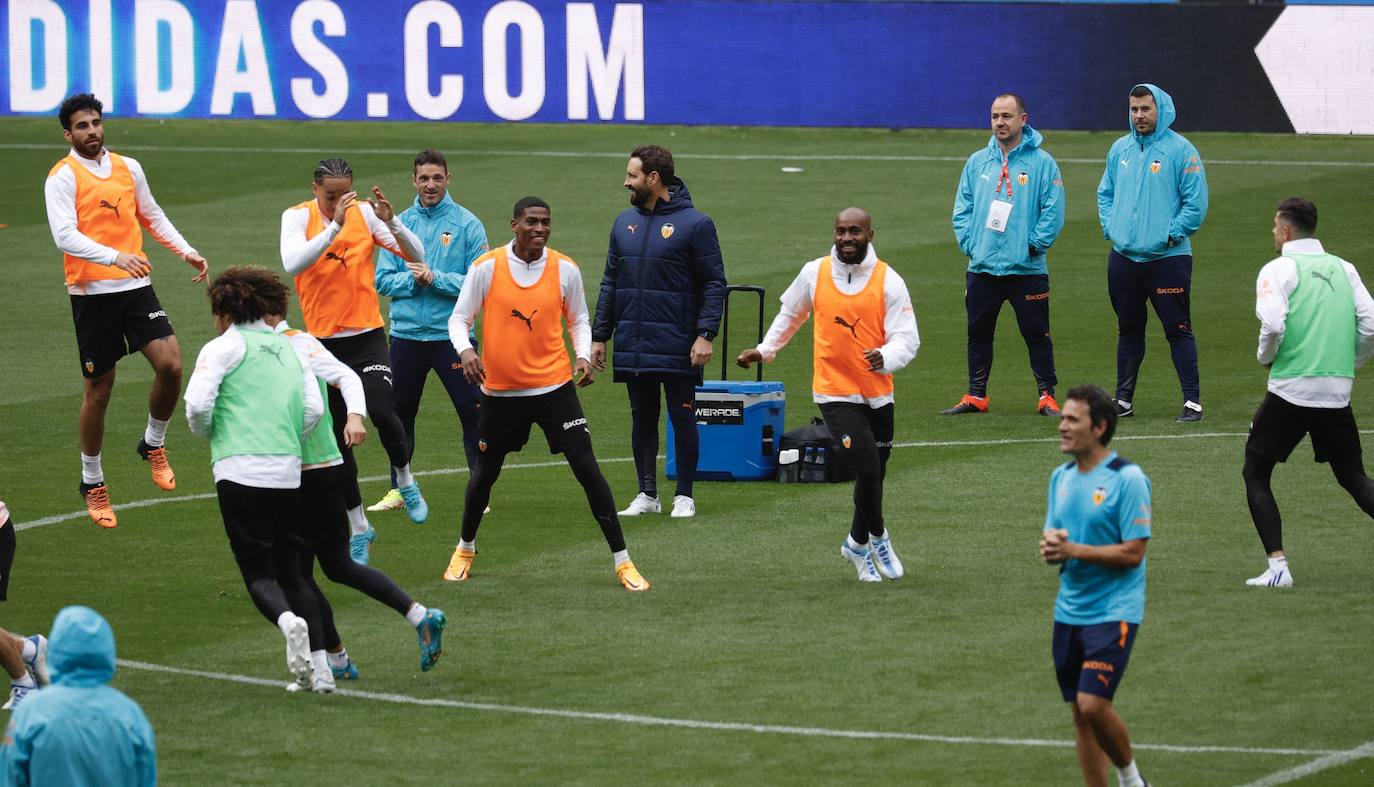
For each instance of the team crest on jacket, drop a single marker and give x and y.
(446, 238)
(1099, 494)
(1155, 166)
(666, 231)
(1022, 179)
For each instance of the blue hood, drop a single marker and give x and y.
(679, 199)
(1030, 139)
(1164, 103)
(81, 648)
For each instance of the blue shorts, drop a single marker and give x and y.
(1092, 659)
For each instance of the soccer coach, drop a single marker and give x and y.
(661, 297)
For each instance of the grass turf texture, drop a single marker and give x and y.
(753, 617)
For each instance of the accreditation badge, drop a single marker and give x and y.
(999, 213)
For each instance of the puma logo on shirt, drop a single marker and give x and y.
(114, 207)
(275, 352)
(517, 315)
(1325, 279)
(840, 321)
(332, 256)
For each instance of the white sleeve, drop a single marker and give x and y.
(1364, 316)
(152, 215)
(60, 193)
(393, 236)
(334, 372)
(575, 309)
(1275, 282)
(475, 288)
(314, 403)
(796, 308)
(297, 253)
(216, 359)
(899, 325)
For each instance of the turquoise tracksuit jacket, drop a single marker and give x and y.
(1153, 193)
(452, 238)
(79, 731)
(1037, 214)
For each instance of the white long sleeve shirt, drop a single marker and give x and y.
(299, 253)
(899, 322)
(1276, 281)
(478, 284)
(59, 191)
(217, 358)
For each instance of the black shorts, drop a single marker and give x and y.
(1279, 425)
(505, 422)
(324, 515)
(257, 519)
(7, 544)
(1092, 659)
(116, 324)
(365, 353)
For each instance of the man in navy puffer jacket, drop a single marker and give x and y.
(661, 299)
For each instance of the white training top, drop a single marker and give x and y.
(1275, 283)
(60, 193)
(478, 284)
(899, 322)
(217, 358)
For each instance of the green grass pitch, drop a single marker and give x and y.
(757, 657)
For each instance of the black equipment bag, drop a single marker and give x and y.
(821, 459)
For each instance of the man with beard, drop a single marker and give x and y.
(661, 298)
(865, 331)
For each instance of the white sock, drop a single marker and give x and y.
(470, 546)
(156, 432)
(91, 471)
(621, 558)
(1129, 776)
(339, 660)
(319, 662)
(284, 623)
(357, 520)
(403, 476)
(30, 650)
(416, 614)
(855, 545)
(1277, 564)
(25, 680)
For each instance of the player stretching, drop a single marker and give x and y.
(524, 290)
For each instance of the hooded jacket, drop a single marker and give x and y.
(452, 237)
(1037, 214)
(79, 731)
(664, 286)
(1153, 193)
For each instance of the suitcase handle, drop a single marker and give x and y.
(725, 326)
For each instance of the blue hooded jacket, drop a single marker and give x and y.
(452, 239)
(1153, 193)
(664, 286)
(1037, 213)
(79, 731)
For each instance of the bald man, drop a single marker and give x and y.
(865, 330)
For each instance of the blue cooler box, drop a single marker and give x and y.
(739, 424)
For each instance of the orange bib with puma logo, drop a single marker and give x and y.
(845, 326)
(522, 327)
(107, 213)
(338, 292)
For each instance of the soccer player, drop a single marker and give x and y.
(524, 290)
(422, 298)
(327, 245)
(325, 529)
(256, 398)
(97, 201)
(1008, 211)
(865, 331)
(661, 298)
(25, 659)
(1316, 327)
(1151, 199)
(1096, 528)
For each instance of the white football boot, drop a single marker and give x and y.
(862, 560)
(885, 557)
(684, 506)
(1273, 578)
(643, 504)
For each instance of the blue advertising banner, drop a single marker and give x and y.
(893, 64)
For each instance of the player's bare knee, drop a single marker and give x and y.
(1091, 708)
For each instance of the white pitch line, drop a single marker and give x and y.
(314, 151)
(1316, 766)
(699, 724)
(153, 501)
